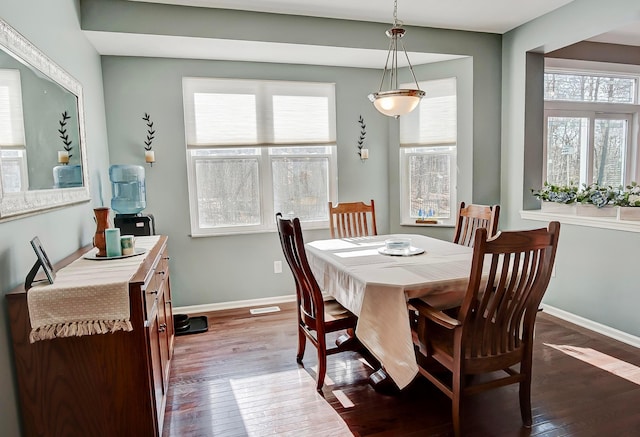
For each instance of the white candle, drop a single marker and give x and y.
(63, 157)
(364, 153)
(149, 156)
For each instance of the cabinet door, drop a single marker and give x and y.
(155, 346)
(163, 338)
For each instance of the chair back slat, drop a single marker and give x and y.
(308, 293)
(352, 219)
(509, 276)
(473, 217)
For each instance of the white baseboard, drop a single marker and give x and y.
(193, 309)
(593, 326)
(561, 314)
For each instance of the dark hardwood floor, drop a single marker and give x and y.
(241, 379)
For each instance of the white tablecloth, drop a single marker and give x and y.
(376, 288)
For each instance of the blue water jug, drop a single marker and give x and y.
(128, 189)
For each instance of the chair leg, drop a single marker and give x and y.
(525, 401)
(456, 402)
(322, 362)
(347, 340)
(302, 343)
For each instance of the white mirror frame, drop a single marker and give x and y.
(15, 205)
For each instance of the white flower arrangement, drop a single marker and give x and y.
(628, 196)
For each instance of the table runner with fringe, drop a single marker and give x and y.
(87, 297)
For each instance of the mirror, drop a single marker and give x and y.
(43, 160)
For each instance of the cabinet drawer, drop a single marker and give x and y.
(154, 283)
(151, 292)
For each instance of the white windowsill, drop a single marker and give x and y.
(595, 222)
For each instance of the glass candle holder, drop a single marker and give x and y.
(112, 238)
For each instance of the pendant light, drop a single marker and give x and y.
(396, 102)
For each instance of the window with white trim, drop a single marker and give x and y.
(589, 135)
(255, 148)
(428, 139)
(12, 140)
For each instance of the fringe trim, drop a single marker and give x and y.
(78, 329)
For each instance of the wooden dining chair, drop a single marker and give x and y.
(352, 219)
(473, 217)
(493, 330)
(316, 316)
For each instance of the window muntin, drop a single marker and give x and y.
(288, 162)
(428, 138)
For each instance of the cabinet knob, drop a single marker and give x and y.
(162, 327)
(153, 292)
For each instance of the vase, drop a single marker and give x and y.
(102, 223)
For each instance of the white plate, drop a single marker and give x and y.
(92, 255)
(401, 252)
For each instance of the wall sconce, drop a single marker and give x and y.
(362, 152)
(63, 157)
(149, 157)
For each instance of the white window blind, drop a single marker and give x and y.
(255, 148)
(11, 121)
(236, 112)
(428, 138)
(434, 121)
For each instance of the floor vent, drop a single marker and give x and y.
(264, 310)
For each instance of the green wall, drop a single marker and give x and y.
(230, 268)
(595, 268)
(54, 27)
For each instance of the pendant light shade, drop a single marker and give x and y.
(396, 102)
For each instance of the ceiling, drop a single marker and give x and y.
(492, 16)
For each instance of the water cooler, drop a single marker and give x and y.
(129, 199)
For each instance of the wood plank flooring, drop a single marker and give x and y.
(241, 379)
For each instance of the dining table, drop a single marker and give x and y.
(361, 275)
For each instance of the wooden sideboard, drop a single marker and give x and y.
(99, 385)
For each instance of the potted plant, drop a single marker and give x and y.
(596, 200)
(557, 198)
(628, 202)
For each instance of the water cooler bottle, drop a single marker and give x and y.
(129, 199)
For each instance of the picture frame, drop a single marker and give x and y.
(42, 261)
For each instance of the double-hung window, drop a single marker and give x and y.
(589, 135)
(428, 138)
(255, 148)
(13, 154)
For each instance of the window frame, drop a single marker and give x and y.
(12, 81)
(406, 151)
(595, 111)
(266, 153)
(405, 155)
